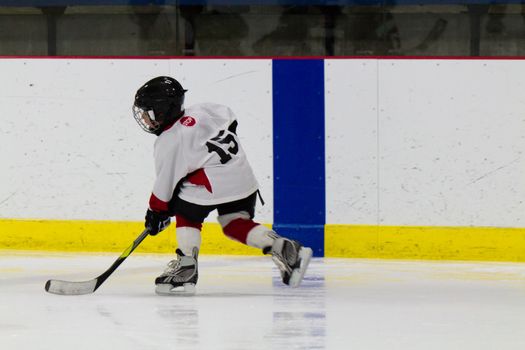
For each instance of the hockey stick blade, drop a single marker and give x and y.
(71, 288)
(88, 287)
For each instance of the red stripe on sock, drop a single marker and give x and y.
(238, 229)
(183, 222)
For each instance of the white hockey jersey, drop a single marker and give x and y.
(202, 150)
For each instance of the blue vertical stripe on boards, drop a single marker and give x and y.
(299, 151)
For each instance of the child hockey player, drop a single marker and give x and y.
(201, 166)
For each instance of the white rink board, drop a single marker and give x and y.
(351, 141)
(408, 142)
(74, 149)
(449, 142)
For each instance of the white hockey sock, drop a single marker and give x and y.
(261, 237)
(258, 236)
(187, 238)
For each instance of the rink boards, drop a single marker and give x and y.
(390, 158)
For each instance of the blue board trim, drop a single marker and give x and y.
(299, 151)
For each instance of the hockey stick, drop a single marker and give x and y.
(87, 287)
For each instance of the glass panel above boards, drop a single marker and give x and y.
(261, 28)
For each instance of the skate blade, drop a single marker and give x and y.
(305, 254)
(167, 289)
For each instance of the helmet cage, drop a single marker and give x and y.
(163, 113)
(146, 119)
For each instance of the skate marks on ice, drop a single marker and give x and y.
(241, 303)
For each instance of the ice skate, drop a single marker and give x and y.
(180, 277)
(292, 259)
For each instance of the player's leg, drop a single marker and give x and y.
(181, 275)
(188, 235)
(292, 259)
(236, 219)
(240, 227)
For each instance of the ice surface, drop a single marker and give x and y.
(241, 304)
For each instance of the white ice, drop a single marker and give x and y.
(241, 304)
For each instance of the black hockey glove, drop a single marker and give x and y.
(156, 222)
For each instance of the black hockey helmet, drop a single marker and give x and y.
(158, 103)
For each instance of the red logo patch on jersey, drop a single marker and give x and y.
(187, 121)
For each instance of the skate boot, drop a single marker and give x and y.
(180, 277)
(291, 258)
